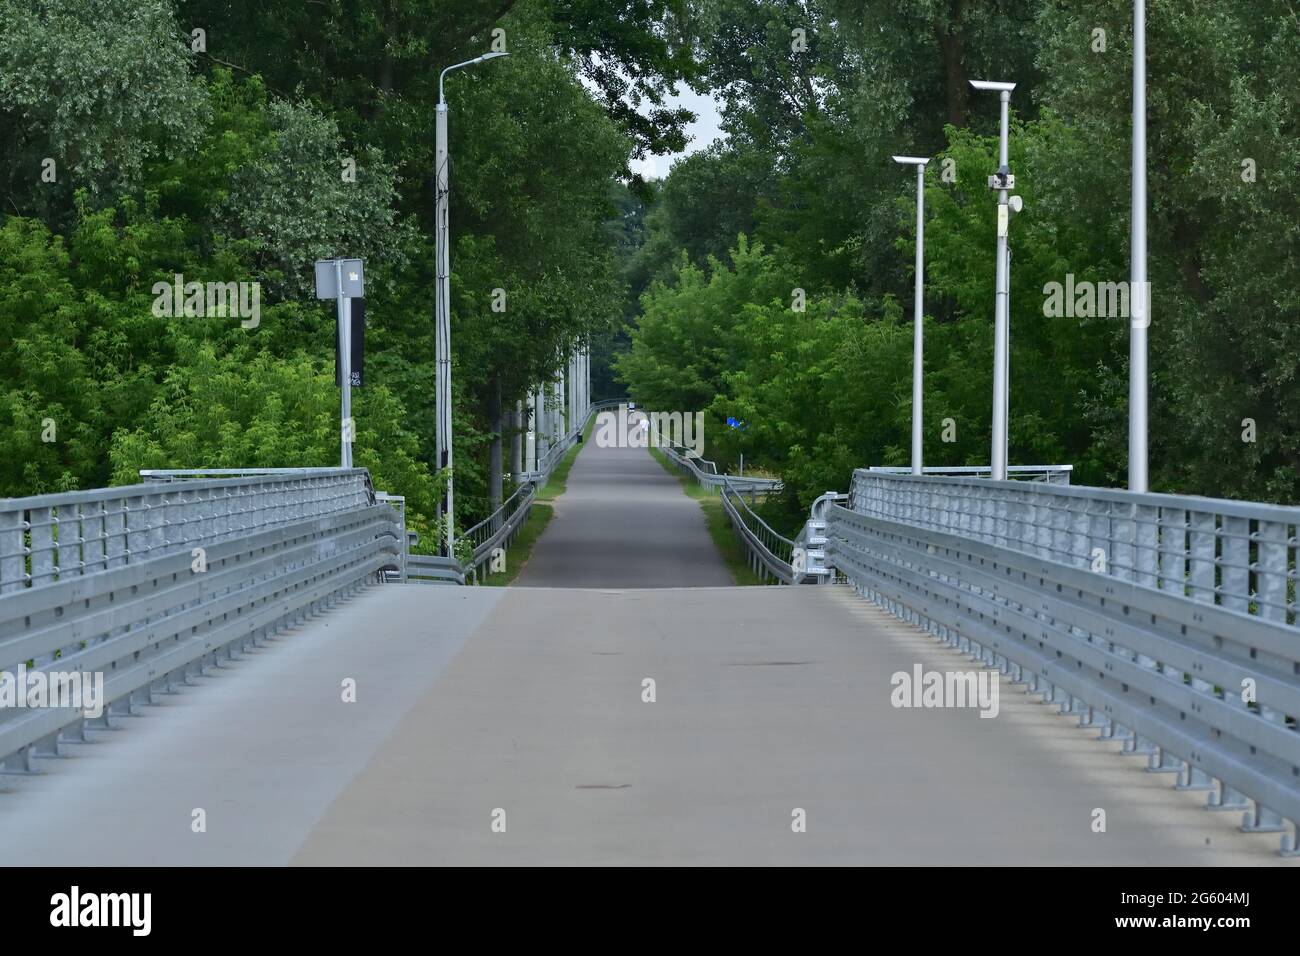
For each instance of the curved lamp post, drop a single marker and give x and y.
(442, 294)
(918, 369)
(1002, 181)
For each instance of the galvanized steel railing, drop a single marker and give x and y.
(49, 538)
(810, 544)
(1239, 555)
(434, 569)
(705, 473)
(1052, 474)
(771, 555)
(774, 556)
(150, 583)
(499, 528)
(1168, 621)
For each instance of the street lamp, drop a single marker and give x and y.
(1139, 293)
(918, 328)
(442, 293)
(1001, 181)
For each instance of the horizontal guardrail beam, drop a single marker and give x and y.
(198, 567)
(771, 554)
(1053, 474)
(706, 474)
(1170, 620)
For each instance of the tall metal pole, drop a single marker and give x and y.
(557, 415)
(531, 435)
(442, 336)
(918, 310)
(1001, 334)
(918, 332)
(1139, 294)
(344, 305)
(1006, 391)
(442, 295)
(543, 425)
(1002, 182)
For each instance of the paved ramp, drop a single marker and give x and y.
(623, 522)
(472, 700)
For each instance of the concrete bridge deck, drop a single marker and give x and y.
(530, 700)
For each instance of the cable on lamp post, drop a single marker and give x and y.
(1139, 290)
(442, 296)
(918, 332)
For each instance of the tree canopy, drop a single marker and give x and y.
(803, 196)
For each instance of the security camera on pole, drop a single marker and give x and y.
(442, 294)
(1002, 181)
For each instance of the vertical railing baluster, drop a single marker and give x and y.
(1234, 563)
(1173, 550)
(42, 536)
(1203, 538)
(1271, 570)
(12, 563)
(1146, 541)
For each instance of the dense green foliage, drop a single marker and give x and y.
(240, 142)
(806, 175)
(141, 139)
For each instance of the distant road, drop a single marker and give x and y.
(623, 522)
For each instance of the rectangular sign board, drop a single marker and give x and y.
(354, 281)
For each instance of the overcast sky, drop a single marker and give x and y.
(701, 133)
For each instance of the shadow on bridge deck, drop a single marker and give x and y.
(474, 700)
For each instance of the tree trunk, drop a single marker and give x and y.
(952, 44)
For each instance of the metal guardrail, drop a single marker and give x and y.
(407, 538)
(705, 473)
(810, 544)
(1052, 474)
(148, 584)
(434, 569)
(47, 538)
(774, 556)
(498, 529)
(771, 555)
(1168, 621)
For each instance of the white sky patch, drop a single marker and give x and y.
(700, 134)
(706, 128)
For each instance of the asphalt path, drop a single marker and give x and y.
(623, 522)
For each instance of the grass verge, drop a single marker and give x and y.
(715, 519)
(538, 518)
